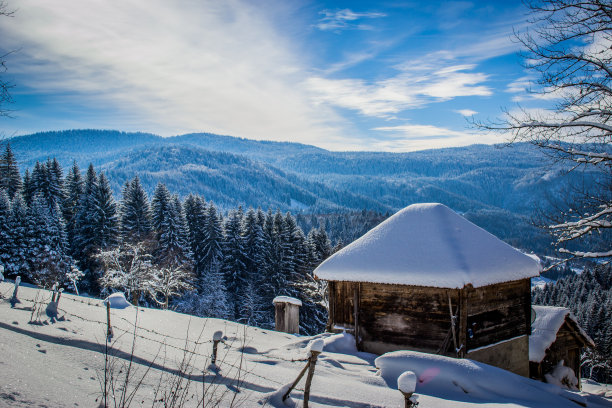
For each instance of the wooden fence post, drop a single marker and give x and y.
(315, 348)
(406, 383)
(217, 337)
(14, 299)
(109, 330)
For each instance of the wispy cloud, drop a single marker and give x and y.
(410, 137)
(411, 88)
(214, 66)
(466, 112)
(345, 19)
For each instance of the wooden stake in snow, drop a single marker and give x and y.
(14, 299)
(406, 383)
(315, 348)
(217, 337)
(59, 294)
(109, 330)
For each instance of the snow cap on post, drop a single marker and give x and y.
(287, 299)
(406, 382)
(315, 346)
(429, 245)
(218, 335)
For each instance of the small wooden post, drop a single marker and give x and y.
(406, 384)
(14, 299)
(59, 295)
(287, 314)
(109, 330)
(217, 337)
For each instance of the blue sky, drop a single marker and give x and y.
(354, 75)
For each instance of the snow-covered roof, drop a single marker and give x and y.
(429, 245)
(545, 327)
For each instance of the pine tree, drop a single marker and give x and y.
(10, 179)
(234, 268)
(105, 216)
(48, 258)
(195, 216)
(212, 250)
(135, 212)
(5, 229)
(19, 237)
(159, 206)
(73, 196)
(28, 188)
(173, 246)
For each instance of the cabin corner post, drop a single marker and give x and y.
(463, 317)
(330, 305)
(356, 300)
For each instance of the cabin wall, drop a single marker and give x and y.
(395, 317)
(497, 312)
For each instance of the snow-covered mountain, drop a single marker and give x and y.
(499, 189)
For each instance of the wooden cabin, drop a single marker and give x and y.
(428, 280)
(556, 336)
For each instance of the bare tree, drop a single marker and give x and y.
(568, 48)
(5, 86)
(170, 281)
(128, 268)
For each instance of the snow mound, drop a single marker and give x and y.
(429, 245)
(117, 301)
(562, 376)
(343, 343)
(287, 299)
(450, 378)
(275, 398)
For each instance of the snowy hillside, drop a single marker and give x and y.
(59, 361)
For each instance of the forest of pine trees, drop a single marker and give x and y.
(589, 296)
(162, 252)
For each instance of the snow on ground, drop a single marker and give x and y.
(429, 245)
(60, 363)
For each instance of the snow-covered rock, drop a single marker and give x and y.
(117, 301)
(429, 245)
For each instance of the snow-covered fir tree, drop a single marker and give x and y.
(10, 179)
(173, 246)
(5, 229)
(19, 241)
(48, 257)
(73, 195)
(234, 268)
(159, 205)
(27, 189)
(135, 212)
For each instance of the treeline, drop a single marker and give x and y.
(589, 297)
(163, 251)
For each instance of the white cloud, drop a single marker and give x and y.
(407, 90)
(466, 112)
(345, 19)
(201, 66)
(410, 137)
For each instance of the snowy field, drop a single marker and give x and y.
(59, 362)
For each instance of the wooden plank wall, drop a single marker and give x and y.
(497, 312)
(419, 318)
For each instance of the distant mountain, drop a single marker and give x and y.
(497, 188)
